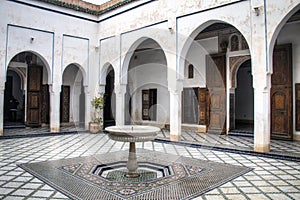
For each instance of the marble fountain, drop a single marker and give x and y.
(132, 134)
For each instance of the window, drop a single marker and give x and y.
(191, 71)
(234, 43)
(149, 100)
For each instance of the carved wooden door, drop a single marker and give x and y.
(145, 105)
(34, 85)
(281, 93)
(216, 84)
(202, 106)
(65, 104)
(153, 102)
(45, 104)
(149, 100)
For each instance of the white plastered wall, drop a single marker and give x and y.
(196, 56)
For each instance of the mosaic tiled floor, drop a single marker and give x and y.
(191, 136)
(29, 131)
(271, 178)
(177, 177)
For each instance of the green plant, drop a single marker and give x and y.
(98, 103)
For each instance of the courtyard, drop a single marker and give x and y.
(272, 177)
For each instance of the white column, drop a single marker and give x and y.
(54, 109)
(55, 88)
(175, 115)
(120, 104)
(261, 78)
(3, 39)
(87, 113)
(75, 103)
(1, 109)
(262, 120)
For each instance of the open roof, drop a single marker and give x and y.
(94, 7)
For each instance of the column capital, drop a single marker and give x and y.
(175, 92)
(86, 89)
(120, 88)
(54, 88)
(177, 88)
(2, 88)
(101, 89)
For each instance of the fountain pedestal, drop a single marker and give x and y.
(132, 134)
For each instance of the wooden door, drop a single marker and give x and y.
(34, 85)
(297, 99)
(45, 104)
(149, 100)
(145, 105)
(281, 93)
(202, 106)
(216, 84)
(152, 103)
(65, 104)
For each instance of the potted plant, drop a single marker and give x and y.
(96, 125)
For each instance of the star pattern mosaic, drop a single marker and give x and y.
(189, 177)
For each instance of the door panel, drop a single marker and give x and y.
(34, 82)
(34, 114)
(65, 104)
(202, 107)
(145, 104)
(45, 104)
(281, 93)
(297, 92)
(153, 102)
(216, 85)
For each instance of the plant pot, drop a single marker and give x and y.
(95, 127)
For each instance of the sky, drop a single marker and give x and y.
(97, 2)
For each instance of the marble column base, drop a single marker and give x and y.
(54, 129)
(262, 148)
(175, 137)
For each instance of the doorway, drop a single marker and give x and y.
(13, 100)
(109, 100)
(244, 99)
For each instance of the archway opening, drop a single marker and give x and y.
(244, 99)
(14, 100)
(109, 99)
(147, 87)
(72, 99)
(285, 79)
(26, 91)
(204, 104)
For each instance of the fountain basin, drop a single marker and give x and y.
(132, 133)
